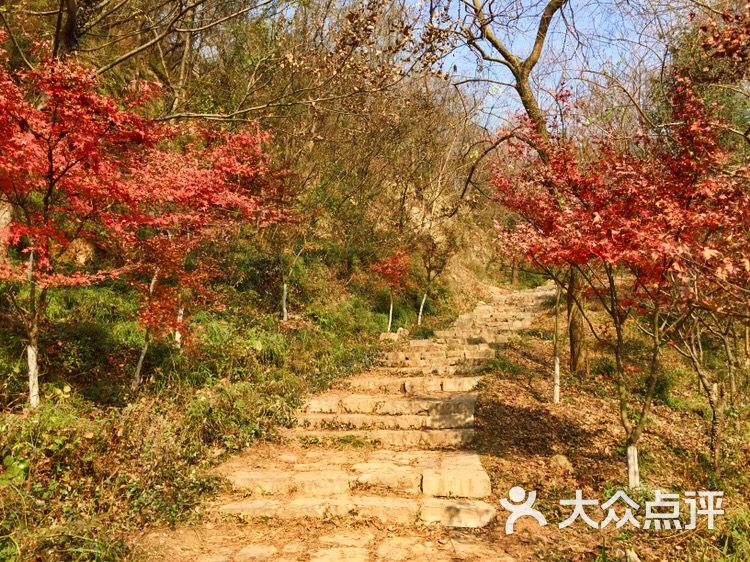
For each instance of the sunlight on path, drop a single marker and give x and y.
(377, 468)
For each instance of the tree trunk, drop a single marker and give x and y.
(421, 308)
(6, 214)
(716, 401)
(534, 112)
(284, 313)
(514, 273)
(66, 33)
(731, 350)
(556, 351)
(576, 328)
(634, 472)
(36, 306)
(177, 333)
(179, 97)
(32, 358)
(390, 314)
(634, 431)
(137, 377)
(745, 362)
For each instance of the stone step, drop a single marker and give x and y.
(375, 421)
(515, 304)
(454, 478)
(412, 355)
(470, 514)
(503, 324)
(463, 340)
(457, 366)
(426, 370)
(271, 482)
(469, 328)
(456, 482)
(528, 303)
(384, 404)
(396, 439)
(414, 385)
(420, 344)
(387, 509)
(472, 356)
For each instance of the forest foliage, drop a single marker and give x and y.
(209, 208)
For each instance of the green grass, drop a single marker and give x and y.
(98, 461)
(506, 366)
(352, 441)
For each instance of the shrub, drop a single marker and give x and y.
(603, 366)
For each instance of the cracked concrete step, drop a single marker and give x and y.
(375, 421)
(477, 350)
(452, 480)
(459, 361)
(414, 385)
(406, 480)
(392, 405)
(456, 482)
(527, 306)
(425, 344)
(387, 509)
(431, 370)
(410, 438)
(313, 482)
(461, 338)
(468, 328)
(456, 367)
(457, 513)
(464, 343)
(512, 305)
(504, 325)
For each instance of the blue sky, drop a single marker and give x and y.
(610, 37)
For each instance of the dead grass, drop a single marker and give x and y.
(520, 431)
(520, 436)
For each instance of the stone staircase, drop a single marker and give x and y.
(416, 411)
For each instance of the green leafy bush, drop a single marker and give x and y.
(603, 366)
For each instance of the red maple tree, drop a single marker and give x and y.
(637, 223)
(393, 269)
(76, 168)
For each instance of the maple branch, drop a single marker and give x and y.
(599, 296)
(745, 135)
(15, 42)
(510, 60)
(630, 96)
(20, 309)
(222, 20)
(484, 81)
(46, 13)
(558, 280)
(484, 54)
(541, 34)
(474, 165)
(240, 112)
(147, 44)
(104, 14)
(707, 7)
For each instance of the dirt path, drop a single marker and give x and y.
(378, 468)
